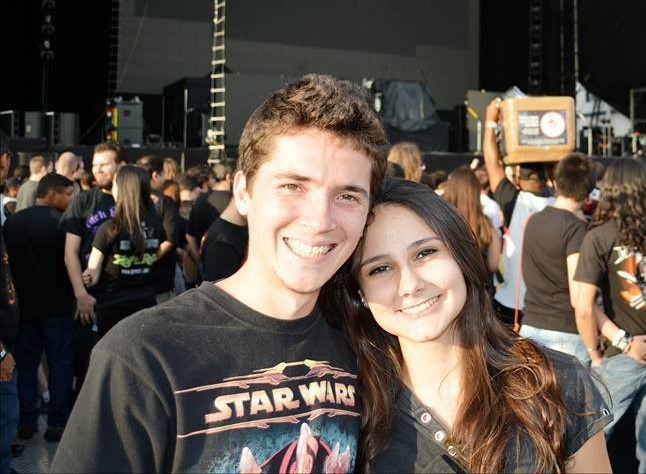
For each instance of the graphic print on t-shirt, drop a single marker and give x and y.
(293, 417)
(631, 268)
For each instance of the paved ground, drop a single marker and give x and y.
(38, 453)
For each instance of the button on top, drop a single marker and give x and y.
(440, 436)
(426, 417)
(452, 451)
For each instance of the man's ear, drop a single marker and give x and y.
(241, 193)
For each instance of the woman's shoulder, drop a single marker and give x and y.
(582, 395)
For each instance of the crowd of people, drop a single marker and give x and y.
(325, 304)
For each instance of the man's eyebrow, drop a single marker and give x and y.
(417, 243)
(293, 176)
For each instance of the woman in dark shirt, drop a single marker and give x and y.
(124, 250)
(445, 387)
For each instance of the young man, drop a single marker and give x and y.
(517, 205)
(80, 222)
(36, 247)
(246, 374)
(553, 237)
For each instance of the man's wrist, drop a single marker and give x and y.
(3, 354)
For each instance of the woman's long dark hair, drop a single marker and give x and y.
(132, 205)
(623, 201)
(509, 387)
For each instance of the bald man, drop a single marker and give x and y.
(67, 165)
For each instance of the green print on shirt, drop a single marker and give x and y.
(127, 261)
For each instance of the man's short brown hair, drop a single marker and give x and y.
(322, 102)
(109, 146)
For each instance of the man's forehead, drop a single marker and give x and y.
(103, 157)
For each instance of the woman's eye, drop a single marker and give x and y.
(425, 253)
(378, 270)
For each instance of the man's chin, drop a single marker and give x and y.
(105, 187)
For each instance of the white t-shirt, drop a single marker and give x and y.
(526, 204)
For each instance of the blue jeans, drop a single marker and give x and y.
(625, 382)
(8, 421)
(558, 340)
(55, 336)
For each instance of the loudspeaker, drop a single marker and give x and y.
(16, 123)
(62, 128)
(130, 136)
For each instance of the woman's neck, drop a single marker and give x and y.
(432, 372)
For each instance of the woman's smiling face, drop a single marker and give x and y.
(413, 286)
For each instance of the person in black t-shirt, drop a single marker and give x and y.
(550, 255)
(8, 331)
(164, 268)
(208, 206)
(36, 246)
(81, 220)
(613, 259)
(247, 375)
(124, 251)
(225, 245)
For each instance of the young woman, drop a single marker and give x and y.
(445, 387)
(124, 250)
(463, 191)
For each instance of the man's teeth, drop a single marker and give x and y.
(308, 251)
(420, 307)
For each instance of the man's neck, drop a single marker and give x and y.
(286, 304)
(566, 204)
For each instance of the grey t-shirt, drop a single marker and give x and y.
(418, 442)
(26, 195)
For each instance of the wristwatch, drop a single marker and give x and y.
(3, 354)
(621, 340)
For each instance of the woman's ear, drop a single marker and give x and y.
(363, 299)
(241, 193)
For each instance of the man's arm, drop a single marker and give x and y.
(495, 170)
(119, 422)
(84, 301)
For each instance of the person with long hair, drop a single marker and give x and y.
(124, 250)
(612, 258)
(445, 386)
(463, 192)
(408, 156)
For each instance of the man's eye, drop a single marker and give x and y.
(348, 197)
(291, 187)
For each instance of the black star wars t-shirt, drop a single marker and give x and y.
(203, 383)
